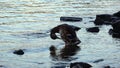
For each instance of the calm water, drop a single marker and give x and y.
(22, 20)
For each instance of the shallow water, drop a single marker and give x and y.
(25, 24)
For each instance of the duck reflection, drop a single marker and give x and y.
(65, 53)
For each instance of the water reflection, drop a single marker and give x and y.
(65, 53)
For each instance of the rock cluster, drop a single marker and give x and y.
(113, 20)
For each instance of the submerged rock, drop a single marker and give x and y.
(35, 35)
(80, 65)
(99, 60)
(72, 19)
(107, 67)
(93, 29)
(1, 66)
(19, 52)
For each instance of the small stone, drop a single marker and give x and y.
(72, 19)
(93, 29)
(19, 52)
(110, 31)
(99, 60)
(80, 65)
(107, 67)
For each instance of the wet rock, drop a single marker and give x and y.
(98, 21)
(110, 31)
(114, 34)
(36, 35)
(107, 67)
(80, 65)
(93, 29)
(91, 21)
(1, 66)
(72, 19)
(99, 60)
(106, 19)
(19, 52)
(90, 17)
(59, 65)
(103, 19)
(116, 26)
(117, 14)
(114, 19)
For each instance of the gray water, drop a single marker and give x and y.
(25, 24)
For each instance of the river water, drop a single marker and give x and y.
(25, 24)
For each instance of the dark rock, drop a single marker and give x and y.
(90, 17)
(103, 19)
(99, 60)
(117, 14)
(91, 21)
(116, 35)
(114, 19)
(72, 19)
(110, 31)
(116, 26)
(1, 66)
(59, 66)
(107, 67)
(36, 35)
(80, 65)
(93, 29)
(98, 21)
(19, 52)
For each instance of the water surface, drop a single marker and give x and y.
(25, 24)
